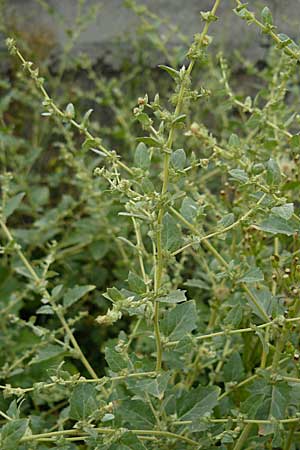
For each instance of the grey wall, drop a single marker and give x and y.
(114, 21)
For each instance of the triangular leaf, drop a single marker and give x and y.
(83, 402)
(76, 293)
(12, 433)
(189, 209)
(48, 352)
(284, 211)
(253, 275)
(136, 284)
(171, 233)
(128, 441)
(178, 159)
(115, 360)
(136, 414)
(197, 403)
(174, 73)
(179, 321)
(141, 156)
(12, 204)
(150, 141)
(276, 225)
(177, 296)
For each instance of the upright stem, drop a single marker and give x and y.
(169, 144)
(279, 349)
(290, 436)
(239, 445)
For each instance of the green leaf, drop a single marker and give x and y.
(113, 294)
(128, 441)
(234, 316)
(136, 284)
(74, 294)
(234, 140)
(189, 209)
(147, 186)
(276, 225)
(266, 16)
(12, 204)
(295, 141)
(153, 386)
(177, 296)
(99, 249)
(273, 172)
(197, 403)
(57, 292)
(45, 309)
(171, 233)
(239, 175)
(178, 159)
(253, 275)
(150, 141)
(86, 117)
(179, 119)
(270, 304)
(143, 118)
(226, 220)
(70, 111)
(115, 360)
(141, 156)
(234, 368)
(258, 391)
(12, 433)
(267, 400)
(285, 40)
(89, 144)
(200, 284)
(174, 73)
(48, 352)
(83, 401)
(179, 321)
(136, 414)
(254, 120)
(284, 211)
(40, 195)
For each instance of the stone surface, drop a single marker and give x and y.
(115, 22)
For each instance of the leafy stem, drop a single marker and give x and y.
(46, 294)
(161, 209)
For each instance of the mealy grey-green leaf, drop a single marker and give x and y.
(171, 233)
(197, 403)
(12, 204)
(115, 360)
(76, 293)
(177, 296)
(83, 401)
(12, 432)
(180, 320)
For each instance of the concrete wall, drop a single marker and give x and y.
(115, 21)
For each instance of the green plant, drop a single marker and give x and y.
(177, 260)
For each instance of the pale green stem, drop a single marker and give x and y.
(236, 331)
(169, 144)
(239, 445)
(75, 124)
(55, 434)
(289, 440)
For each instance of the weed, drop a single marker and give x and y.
(175, 256)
